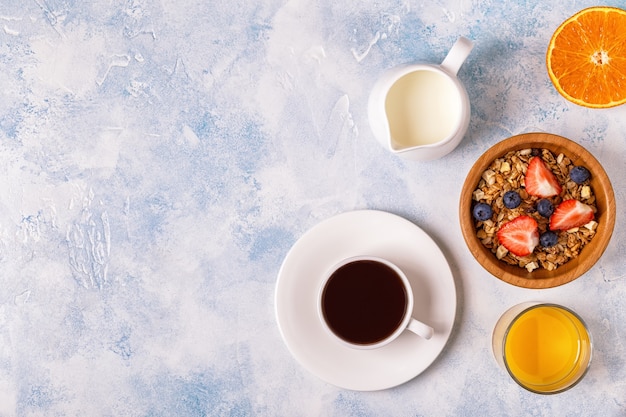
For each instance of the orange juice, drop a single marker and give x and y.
(547, 348)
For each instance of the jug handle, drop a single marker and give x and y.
(457, 55)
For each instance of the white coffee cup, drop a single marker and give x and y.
(366, 302)
(422, 111)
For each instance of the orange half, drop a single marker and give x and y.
(586, 57)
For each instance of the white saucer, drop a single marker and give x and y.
(364, 232)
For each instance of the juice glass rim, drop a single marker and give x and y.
(567, 386)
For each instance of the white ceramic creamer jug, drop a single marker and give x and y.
(422, 111)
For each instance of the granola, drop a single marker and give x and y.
(508, 173)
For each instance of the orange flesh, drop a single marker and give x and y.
(587, 57)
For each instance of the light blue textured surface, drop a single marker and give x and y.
(159, 159)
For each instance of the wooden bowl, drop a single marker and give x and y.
(605, 216)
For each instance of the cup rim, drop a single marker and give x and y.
(517, 317)
(408, 313)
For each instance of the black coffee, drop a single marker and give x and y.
(364, 302)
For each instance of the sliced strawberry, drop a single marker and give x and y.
(520, 235)
(569, 214)
(539, 180)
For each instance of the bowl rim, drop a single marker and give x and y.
(605, 216)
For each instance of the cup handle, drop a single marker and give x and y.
(420, 329)
(457, 55)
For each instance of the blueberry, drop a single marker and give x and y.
(511, 199)
(482, 212)
(545, 207)
(548, 239)
(579, 174)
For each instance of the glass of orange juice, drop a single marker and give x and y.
(546, 348)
